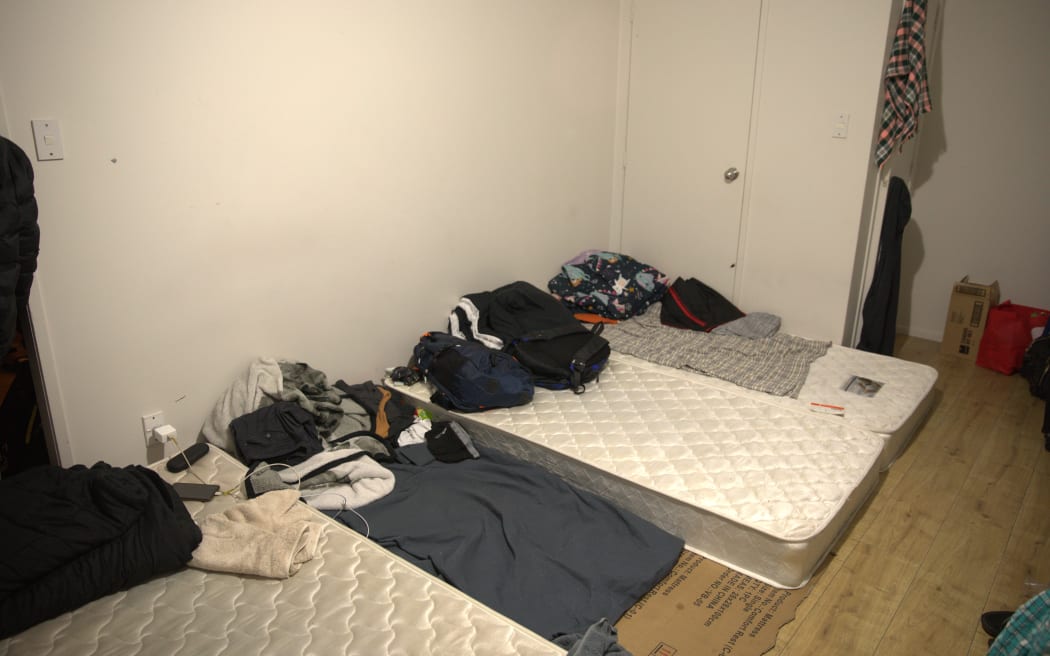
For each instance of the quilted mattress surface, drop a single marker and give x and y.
(904, 387)
(356, 598)
(783, 472)
(895, 409)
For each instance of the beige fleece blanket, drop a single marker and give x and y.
(270, 536)
(258, 386)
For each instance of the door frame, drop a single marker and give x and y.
(42, 366)
(622, 118)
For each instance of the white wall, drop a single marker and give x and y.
(810, 195)
(981, 204)
(317, 181)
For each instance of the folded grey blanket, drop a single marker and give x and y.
(776, 365)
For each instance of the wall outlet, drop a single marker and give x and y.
(149, 422)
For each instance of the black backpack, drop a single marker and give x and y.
(562, 358)
(470, 377)
(538, 330)
(692, 305)
(1035, 367)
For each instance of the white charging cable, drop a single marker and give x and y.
(368, 529)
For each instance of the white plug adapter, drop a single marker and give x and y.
(165, 433)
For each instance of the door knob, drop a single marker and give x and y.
(732, 174)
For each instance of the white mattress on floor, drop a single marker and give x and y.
(760, 486)
(895, 411)
(356, 598)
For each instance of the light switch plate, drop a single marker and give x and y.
(47, 134)
(840, 126)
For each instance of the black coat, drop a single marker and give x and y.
(69, 536)
(879, 329)
(19, 237)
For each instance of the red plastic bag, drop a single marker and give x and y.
(1007, 334)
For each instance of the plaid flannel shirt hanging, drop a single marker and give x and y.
(906, 93)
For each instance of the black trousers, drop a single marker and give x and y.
(1046, 425)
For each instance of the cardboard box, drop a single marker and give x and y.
(703, 608)
(967, 316)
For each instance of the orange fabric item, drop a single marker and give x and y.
(587, 317)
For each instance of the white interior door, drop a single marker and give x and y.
(692, 71)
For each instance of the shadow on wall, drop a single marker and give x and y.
(912, 253)
(933, 142)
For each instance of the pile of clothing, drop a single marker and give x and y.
(507, 532)
(685, 324)
(71, 536)
(293, 429)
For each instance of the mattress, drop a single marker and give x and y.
(355, 598)
(761, 486)
(896, 407)
(895, 411)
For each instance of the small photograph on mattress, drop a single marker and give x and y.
(862, 386)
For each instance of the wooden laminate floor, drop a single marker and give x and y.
(960, 524)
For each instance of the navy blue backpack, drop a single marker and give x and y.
(470, 377)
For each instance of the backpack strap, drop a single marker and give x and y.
(579, 358)
(579, 361)
(545, 334)
(559, 331)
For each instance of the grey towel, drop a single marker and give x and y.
(777, 365)
(310, 389)
(753, 326)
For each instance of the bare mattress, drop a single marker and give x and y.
(355, 598)
(879, 393)
(759, 483)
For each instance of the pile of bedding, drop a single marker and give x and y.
(777, 364)
(684, 325)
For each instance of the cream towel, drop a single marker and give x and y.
(269, 536)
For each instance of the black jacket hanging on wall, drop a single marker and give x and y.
(880, 306)
(19, 237)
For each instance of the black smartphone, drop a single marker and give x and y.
(195, 491)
